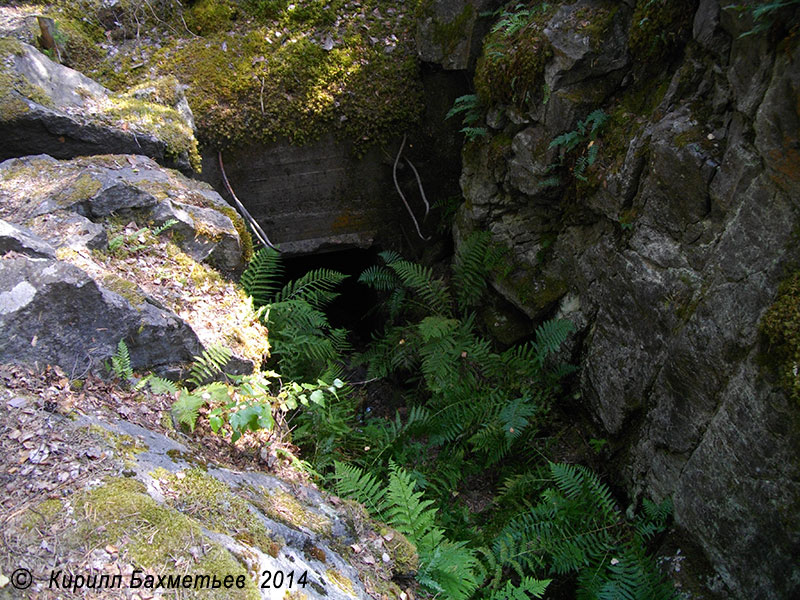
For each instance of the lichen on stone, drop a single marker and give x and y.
(15, 89)
(287, 509)
(781, 326)
(198, 494)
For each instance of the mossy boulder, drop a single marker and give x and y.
(273, 69)
(130, 246)
(49, 108)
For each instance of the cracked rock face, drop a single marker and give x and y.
(666, 258)
(81, 266)
(49, 108)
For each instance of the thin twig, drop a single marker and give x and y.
(262, 237)
(262, 94)
(399, 191)
(421, 189)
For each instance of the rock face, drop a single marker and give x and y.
(53, 313)
(159, 508)
(664, 236)
(449, 31)
(83, 266)
(52, 109)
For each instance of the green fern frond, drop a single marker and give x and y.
(186, 409)
(260, 278)
(353, 482)
(433, 293)
(315, 287)
(158, 385)
(568, 140)
(405, 509)
(121, 362)
(655, 517)
(528, 588)
(390, 256)
(473, 262)
(209, 364)
(379, 278)
(452, 567)
(550, 335)
(515, 417)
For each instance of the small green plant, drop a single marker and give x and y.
(515, 53)
(131, 243)
(470, 106)
(208, 364)
(121, 363)
(301, 336)
(575, 527)
(242, 403)
(585, 134)
(157, 385)
(446, 567)
(763, 15)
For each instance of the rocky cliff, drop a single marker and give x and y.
(639, 160)
(105, 256)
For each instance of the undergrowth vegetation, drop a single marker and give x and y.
(467, 415)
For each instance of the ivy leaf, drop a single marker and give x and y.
(317, 397)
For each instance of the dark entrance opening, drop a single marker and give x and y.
(352, 309)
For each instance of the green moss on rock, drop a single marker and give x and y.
(285, 508)
(514, 56)
(781, 326)
(121, 509)
(291, 74)
(15, 89)
(660, 27)
(127, 289)
(449, 35)
(163, 122)
(210, 16)
(196, 493)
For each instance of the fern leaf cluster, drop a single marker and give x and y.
(575, 527)
(209, 364)
(261, 277)
(121, 362)
(473, 262)
(300, 333)
(446, 567)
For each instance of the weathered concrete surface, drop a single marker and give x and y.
(316, 197)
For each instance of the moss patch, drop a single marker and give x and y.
(162, 122)
(211, 501)
(515, 53)
(402, 551)
(42, 514)
(340, 581)
(264, 70)
(124, 445)
(595, 23)
(15, 89)
(781, 326)
(448, 35)
(660, 28)
(285, 508)
(120, 509)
